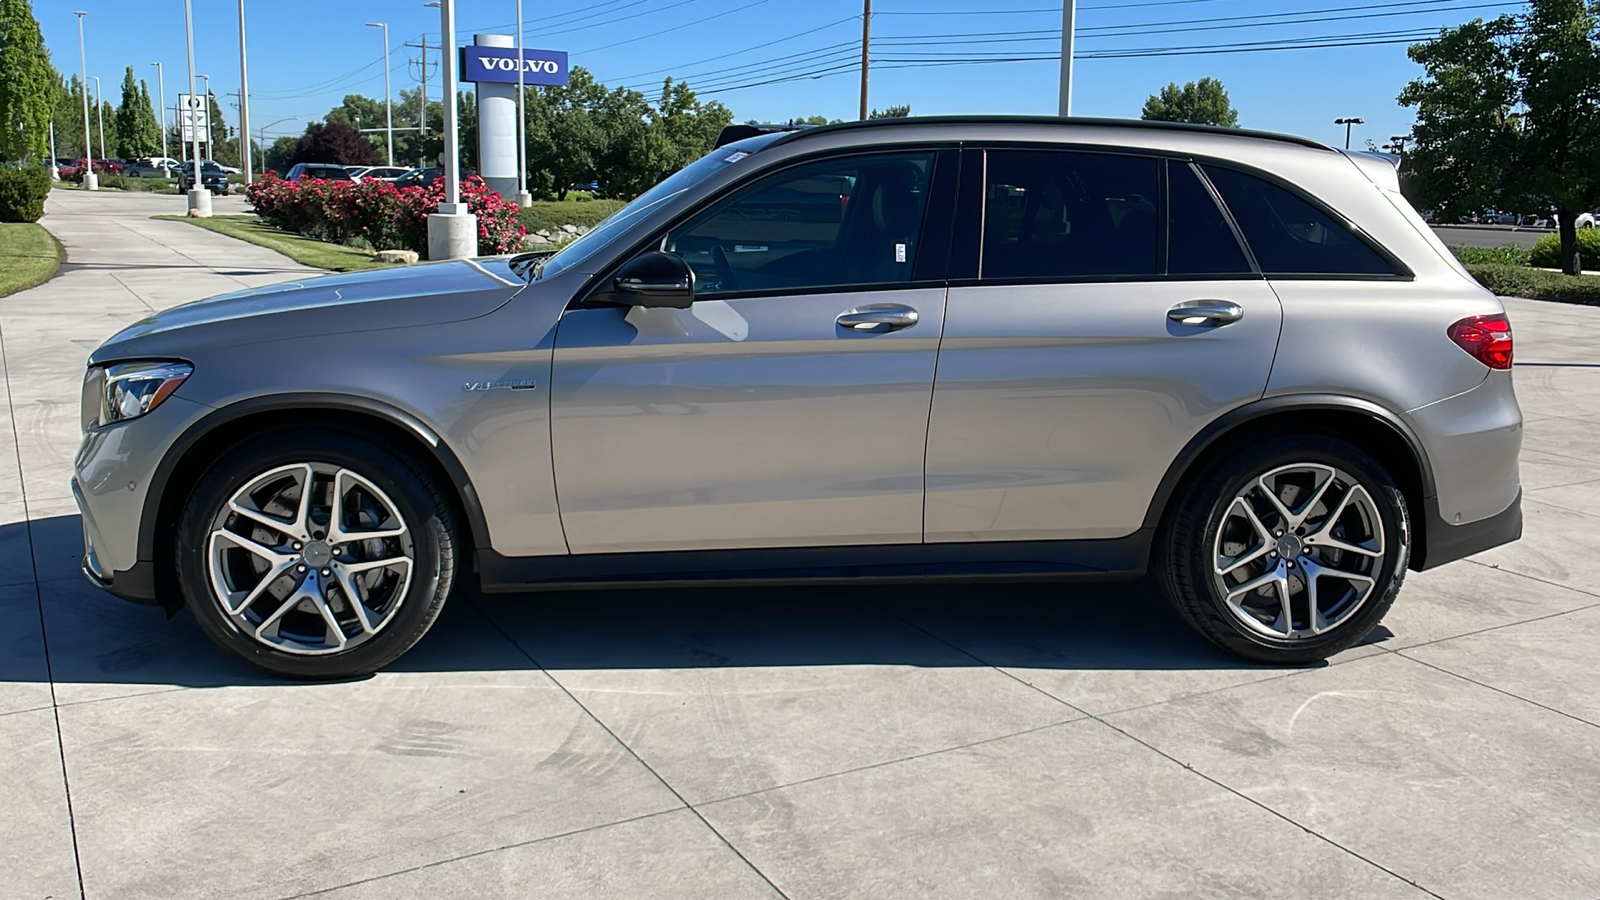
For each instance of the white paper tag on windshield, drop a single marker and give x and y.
(735, 156)
(900, 253)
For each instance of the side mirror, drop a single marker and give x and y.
(655, 279)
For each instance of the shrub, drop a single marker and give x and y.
(1509, 255)
(1537, 284)
(555, 213)
(1546, 252)
(379, 214)
(22, 193)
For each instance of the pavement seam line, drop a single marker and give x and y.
(44, 635)
(1499, 568)
(1470, 680)
(1486, 630)
(143, 302)
(624, 745)
(1186, 766)
(484, 852)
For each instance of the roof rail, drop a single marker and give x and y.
(731, 133)
(1073, 121)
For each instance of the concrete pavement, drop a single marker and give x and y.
(1002, 741)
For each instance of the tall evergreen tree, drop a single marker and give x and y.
(68, 118)
(149, 122)
(27, 84)
(127, 141)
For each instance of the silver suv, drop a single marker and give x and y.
(924, 348)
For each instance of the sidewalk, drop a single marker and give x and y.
(960, 741)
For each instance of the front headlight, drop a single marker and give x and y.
(134, 388)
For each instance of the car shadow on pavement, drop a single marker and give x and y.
(95, 638)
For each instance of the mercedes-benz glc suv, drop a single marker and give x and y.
(968, 348)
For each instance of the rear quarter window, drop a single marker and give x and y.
(1289, 236)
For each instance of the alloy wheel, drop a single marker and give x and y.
(310, 559)
(1298, 551)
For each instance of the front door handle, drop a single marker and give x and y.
(1206, 313)
(878, 317)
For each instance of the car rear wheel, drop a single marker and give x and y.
(1288, 551)
(315, 554)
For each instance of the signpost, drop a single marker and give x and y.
(499, 65)
(194, 119)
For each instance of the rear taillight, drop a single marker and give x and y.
(1487, 338)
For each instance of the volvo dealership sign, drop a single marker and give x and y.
(499, 65)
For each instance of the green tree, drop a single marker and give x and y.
(276, 157)
(412, 147)
(149, 122)
(133, 136)
(68, 119)
(891, 112)
(28, 85)
(1203, 102)
(1508, 115)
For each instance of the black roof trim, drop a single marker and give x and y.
(1051, 120)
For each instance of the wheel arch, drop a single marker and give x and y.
(194, 451)
(1373, 428)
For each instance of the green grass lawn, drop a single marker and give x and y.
(28, 256)
(303, 250)
(555, 213)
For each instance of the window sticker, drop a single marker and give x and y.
(899, 253)
(735, 156)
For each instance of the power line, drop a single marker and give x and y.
(722, 56)
(659, 32)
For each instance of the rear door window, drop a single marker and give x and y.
(1200, 241)
(1290, 236)
(1066, 215)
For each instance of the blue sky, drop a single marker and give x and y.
(305, 55)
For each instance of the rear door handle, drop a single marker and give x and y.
(1206, 313)
(878, 317)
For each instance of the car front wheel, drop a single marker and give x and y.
(1289, 551)
(316, 554)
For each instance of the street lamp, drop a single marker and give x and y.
(199, 197)
(453, 230)
(99, 117)
(91, 182)
(244, 106)
(1347, 123)
(388, 110)
(161, 104)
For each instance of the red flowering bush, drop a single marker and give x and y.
(386, 217)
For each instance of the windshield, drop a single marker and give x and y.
(675, 184)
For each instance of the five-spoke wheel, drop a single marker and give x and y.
(1288, 551)
(316, 554)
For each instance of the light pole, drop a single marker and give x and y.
(199, 197)
(211, 152)
(99, 116)
(524, 199)
(1347, 123)
(91, 182)
(244, 106)
(453, 230)
(161, 104)
(388, 110)
(1069, 11)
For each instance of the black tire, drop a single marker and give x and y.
(416, 496)
(1185, 546)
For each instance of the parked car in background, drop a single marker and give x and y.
(315, 171)
(114, 165)
(144, 168)
(211, 175)
(963, 348)
(377, 173)
(425, 177)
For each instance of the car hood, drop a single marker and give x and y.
(399, 297)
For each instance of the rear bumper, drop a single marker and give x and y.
(1443, 542)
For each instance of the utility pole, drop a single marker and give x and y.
(244, 136)
(388, 111)
(1347, 123)
(91, 181)
(1069, 11)
(866, 44)
(161, 104)
(244, 106)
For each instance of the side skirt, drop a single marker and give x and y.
(1117, 559)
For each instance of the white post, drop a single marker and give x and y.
(1069, 10)
(244, 106)
(161, 104)
(55, 170)
(199, 197)
(524, 199)
(91, 181)
(388, 110)
(100, 118)
(453, 230)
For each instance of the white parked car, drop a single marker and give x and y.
(376, 173)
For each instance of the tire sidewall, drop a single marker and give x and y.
(248, 460)
(1218, 493)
